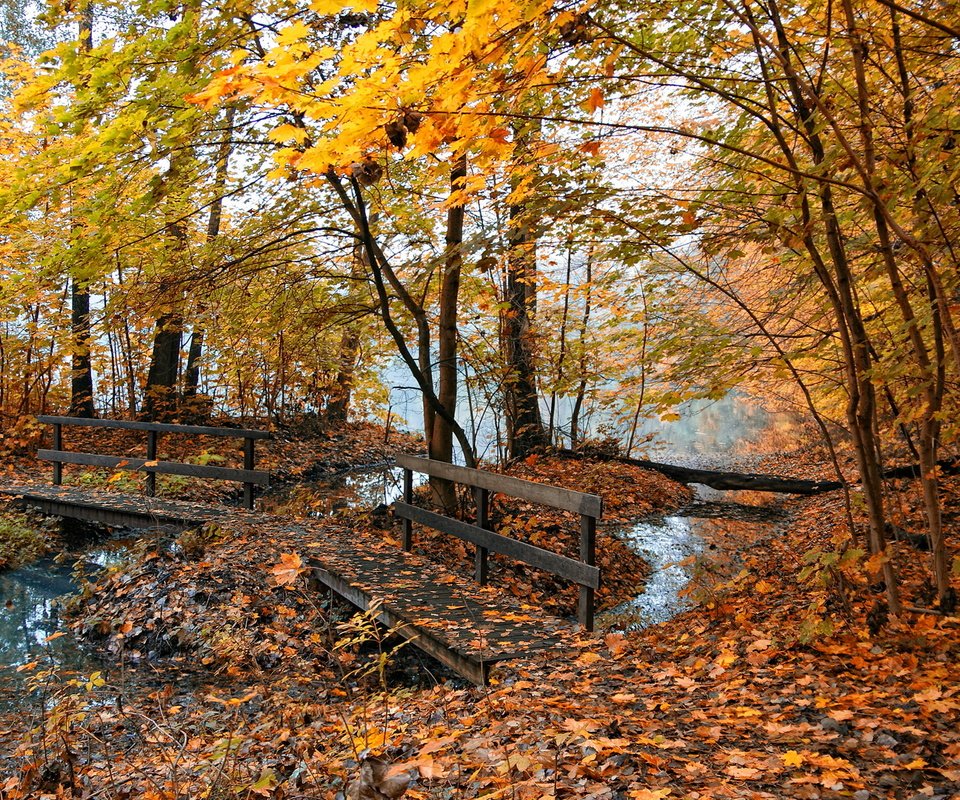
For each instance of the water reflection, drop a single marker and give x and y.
(668, 545)
(691, 551)
(31, 615)
(363, 489)
(732, 433)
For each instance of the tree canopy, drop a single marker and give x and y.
(559, 218)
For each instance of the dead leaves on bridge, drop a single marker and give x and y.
(723, 702)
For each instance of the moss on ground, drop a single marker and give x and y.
(21, 541)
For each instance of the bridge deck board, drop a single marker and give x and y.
(114, 508)
(466, 626)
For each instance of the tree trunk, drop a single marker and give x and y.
(191, 373)
(338, 406)
(191, 376)
(160, 402)
(525, 431)
(582, 386)
(81, 369)
(440, 438)
(562, 351)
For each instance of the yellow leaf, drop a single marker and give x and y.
(792, 759)
(327, 8)
(287, 132)
(292, 34)
(727, 659)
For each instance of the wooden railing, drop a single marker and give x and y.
(589, 506)
(248, 476)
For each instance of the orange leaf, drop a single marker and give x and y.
(743, 773)
(288, 570)
(617, 643)
(594, 101)
(501, 135)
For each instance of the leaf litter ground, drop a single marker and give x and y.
(286, 695)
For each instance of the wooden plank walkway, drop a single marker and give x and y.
(464, 625)
(113, 508)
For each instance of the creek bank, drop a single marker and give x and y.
(770, 688)
(693, 550)
(209, 597)
(761, 482)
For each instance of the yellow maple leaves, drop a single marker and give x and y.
(464, 65)
(287, 133)
(792, 759)
(331, 7)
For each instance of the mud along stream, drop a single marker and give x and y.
(686, 550)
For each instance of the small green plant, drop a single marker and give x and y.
(172, 485)
(118, 481)
(830, 574)
(20, 540)
(361, 634)
(205, 458)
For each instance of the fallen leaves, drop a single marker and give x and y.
(723, 702)
(792, 759)
(288, 570)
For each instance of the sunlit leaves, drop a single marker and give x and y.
(288, 569)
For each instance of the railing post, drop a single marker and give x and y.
(151, 487)
(248, 463)
(408, 499)
(588, 554)
(483, 521)
(57, 445)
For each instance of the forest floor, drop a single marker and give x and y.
(231, 678)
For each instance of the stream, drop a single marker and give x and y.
(691, 550)
(699, 545)
(687, 550)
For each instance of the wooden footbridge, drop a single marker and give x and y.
(467, 625)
